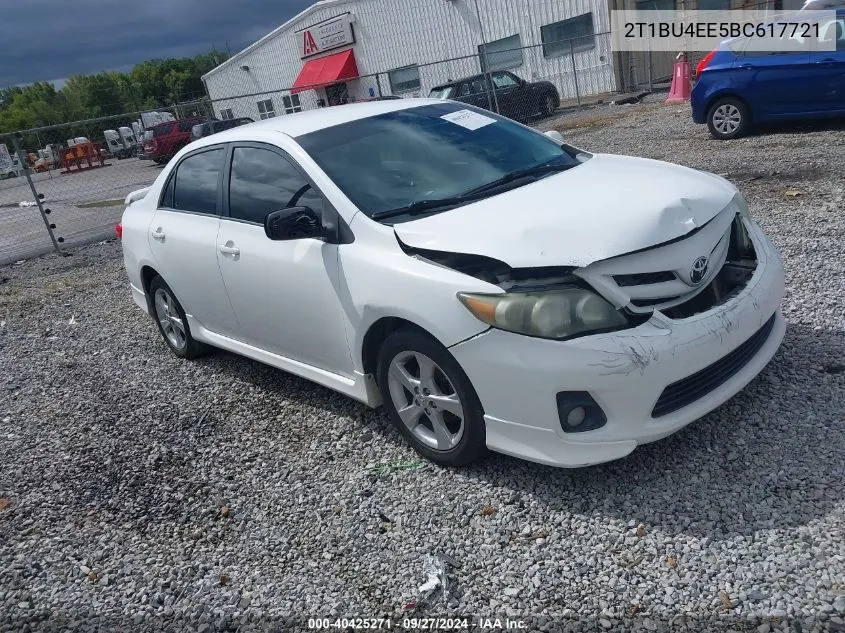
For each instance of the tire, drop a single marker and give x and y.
(728, 118)
(172, 324)
(549, 105)
(444, 419)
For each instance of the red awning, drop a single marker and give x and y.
(326, 70)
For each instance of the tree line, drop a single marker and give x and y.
(151, 84)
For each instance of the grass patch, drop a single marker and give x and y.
(102, 203)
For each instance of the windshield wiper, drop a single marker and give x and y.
(421, 206)
(537, 170)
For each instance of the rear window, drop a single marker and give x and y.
(186, 124)
(162, 130)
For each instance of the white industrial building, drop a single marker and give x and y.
(349, 50)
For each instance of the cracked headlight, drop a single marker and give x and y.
(556, 314)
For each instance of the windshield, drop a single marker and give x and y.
(444, 92)
(430, 152)
(162, 130)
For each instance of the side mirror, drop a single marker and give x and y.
(556, 136)
(293, 223)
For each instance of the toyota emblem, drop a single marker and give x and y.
(698, 270)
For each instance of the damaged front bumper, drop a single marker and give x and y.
(518, 378)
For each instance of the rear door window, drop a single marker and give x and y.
(194, 185)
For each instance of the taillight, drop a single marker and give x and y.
(118, 230)
(150, 146)
(704, 62)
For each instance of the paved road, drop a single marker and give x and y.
(23, 234)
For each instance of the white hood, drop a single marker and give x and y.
(608, 206)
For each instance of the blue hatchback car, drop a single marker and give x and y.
(736, 89)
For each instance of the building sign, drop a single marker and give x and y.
(325, 36)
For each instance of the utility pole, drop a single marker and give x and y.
(488, 77)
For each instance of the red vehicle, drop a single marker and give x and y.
(168, 138)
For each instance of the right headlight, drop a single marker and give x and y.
(555, 313)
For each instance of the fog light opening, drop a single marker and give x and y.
(578, 412)
(576, 416)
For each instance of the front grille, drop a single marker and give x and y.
(645, 303)
(643, 279)
(684, 392)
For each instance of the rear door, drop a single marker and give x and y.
(183, 238)
(477, 92)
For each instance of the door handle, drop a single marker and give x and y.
(158, 234)
(226, 249)
(826, 61)
(745, 66)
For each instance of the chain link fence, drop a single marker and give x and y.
(577, 71)
(67, 183)
(64, 185)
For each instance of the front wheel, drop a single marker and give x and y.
(430, 400)
(728, 118)
(549, 105)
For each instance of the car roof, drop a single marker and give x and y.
(458, 81)
(300, 123)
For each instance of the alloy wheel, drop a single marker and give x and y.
(169, 319)
(426, 400)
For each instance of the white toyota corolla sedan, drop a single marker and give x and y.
(492, 286)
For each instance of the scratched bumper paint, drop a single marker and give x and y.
(517, 377)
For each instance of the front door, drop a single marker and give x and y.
(777, 84)
(283, 292)
(828, 66)
(183, 240)
(337, 94)
(508, 95)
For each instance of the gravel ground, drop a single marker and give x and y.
(144, 492)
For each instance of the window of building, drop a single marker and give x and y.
(501, 54)
(265, 109)
(227, 113)
(405, 79)
(291, 104)
(194, 186)
(575, 34)
(655, 5)
(714, 5)
(262, 181)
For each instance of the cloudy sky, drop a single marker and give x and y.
(44, 40)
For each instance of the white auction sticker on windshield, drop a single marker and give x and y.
(468, 119)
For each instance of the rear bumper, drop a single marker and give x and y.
(698, 103)
(517, 377)
(140, 298)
